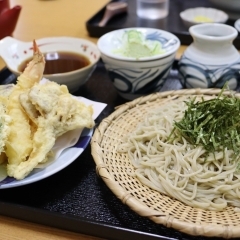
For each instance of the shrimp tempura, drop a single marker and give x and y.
(19, 143)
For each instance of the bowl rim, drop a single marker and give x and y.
(136, 61)
(131, 59)
(232, 35)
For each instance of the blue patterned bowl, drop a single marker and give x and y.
(134, 77)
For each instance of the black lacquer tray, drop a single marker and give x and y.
(171, 23)
(76, 198)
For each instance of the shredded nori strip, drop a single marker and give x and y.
(214, 123)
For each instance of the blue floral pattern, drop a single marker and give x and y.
(157, 36)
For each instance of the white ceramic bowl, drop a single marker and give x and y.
(193, 16)
(232, 5)
(134, 77)
(15, 52)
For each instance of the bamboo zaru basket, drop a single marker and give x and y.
(113, 168)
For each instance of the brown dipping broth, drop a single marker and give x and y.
(60, 62)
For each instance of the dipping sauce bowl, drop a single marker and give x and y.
(69, 60)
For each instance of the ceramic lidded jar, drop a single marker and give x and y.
(211, 59)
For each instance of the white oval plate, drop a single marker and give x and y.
(66, 157)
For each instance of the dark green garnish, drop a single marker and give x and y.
(214, 124)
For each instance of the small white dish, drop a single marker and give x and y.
(237, 25)
(15, 52)
(193, 16)
(66, 149)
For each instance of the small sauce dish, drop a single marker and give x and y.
(69, 60)
(193, 16)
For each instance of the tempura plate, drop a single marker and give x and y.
(113, 168)
(67, 148)
(66, 157)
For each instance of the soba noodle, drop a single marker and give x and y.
(179, 169)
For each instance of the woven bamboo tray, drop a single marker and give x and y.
(112, 167)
